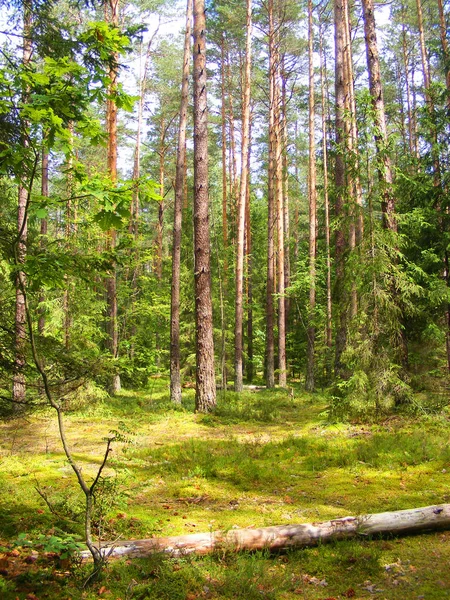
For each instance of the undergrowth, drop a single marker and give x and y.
(262, 458)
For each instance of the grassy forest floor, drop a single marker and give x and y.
(263, 458)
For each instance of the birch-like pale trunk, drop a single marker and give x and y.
(283, 537)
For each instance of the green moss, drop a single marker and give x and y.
(262, 459)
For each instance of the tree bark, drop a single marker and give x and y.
(339, 180)
(239, 308)
(281, 537)
(175, 360)
(19, 388)
(270, 282)
(205, 398)
(43, 231)
(282, 370)
(381, 136)
(328, 327)
(312, 193)
(248, 251)
(444, 46)
(111, 281)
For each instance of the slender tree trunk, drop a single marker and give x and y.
(444, 44)
(224, 155)
(160, 223)
(233, 153)
(175, 360)
(270, 289)
(239, 308)
(19, 388)
(312, 193)
(354, 182)
(67, 320)
(223, 350)
(43, 231)
(381, 136)
(340, 86)
(249, 366)
(428, 97)
(282, 370)
(111, 281)
(328, 327)
(205, 398)
(286, 217)
(411, 130)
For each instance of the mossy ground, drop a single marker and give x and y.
(264, 458)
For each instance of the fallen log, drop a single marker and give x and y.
(281, 537)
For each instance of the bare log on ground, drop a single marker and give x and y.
(287, 536)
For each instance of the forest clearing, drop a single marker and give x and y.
(225, 299)
(261, 459)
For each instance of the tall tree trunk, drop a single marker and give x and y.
(239, 308)
(233, 154)
(19, 389)
(339, 170)
(328, 327)
(270, 282)
(287, 236)
(312, 194)
(205, 398)
(381, 136)
(43, 231)
(428, 97)
(175, 360)
(160, 222)
(282, 370)
(444, 45)
(111, 281)
(249, 366)
(411, 128)
(67, 321)
(224, 153)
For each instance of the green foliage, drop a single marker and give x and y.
(65, 545)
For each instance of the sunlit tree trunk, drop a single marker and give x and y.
(239, 308)
(249, 366)
(428, 97)
(339, 179)
(19, 389)
(312, 196)
(111, 281)
(381, 136)
(205, 398)
(287, 236)
(411, 129)
(175, 360)
(444, 45)
(224, 154)
(270, 282)
(328, 327)
(43, 230)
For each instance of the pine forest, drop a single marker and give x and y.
(225, 293)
